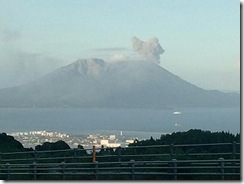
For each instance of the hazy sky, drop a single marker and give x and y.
(200, 39)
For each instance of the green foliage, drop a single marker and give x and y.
(9, 144)
(81, 151)
(195, 136)
(46, 146)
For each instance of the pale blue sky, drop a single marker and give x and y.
(201, 39)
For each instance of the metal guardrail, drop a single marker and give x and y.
(166, 165)
(171, 170)
(169, 151)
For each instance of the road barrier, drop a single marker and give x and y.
(156, 162)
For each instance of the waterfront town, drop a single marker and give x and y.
(34, 138)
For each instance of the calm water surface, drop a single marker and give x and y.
(144, 122)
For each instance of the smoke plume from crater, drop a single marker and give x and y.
(150, 50)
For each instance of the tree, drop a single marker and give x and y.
(59, 145)
(9, 144)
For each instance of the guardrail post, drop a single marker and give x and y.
(174, 165)
(171, 150)
(33, 168)
(35, 155)
(222, 171)
(234, 150)
(93, 154)
(8, 171)
(96, 170)
(75, 153)
(233, 154)
(119, 154)
(132, 163)
(62, 165)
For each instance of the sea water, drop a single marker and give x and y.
(137, 122)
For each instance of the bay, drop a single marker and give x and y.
(137, 122)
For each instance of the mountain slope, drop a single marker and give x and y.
(129, 84)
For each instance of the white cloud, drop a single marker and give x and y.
(119, 57)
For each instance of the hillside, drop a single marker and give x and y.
(130, 84)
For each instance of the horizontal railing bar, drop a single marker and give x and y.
(206, 154)
(135, 168)
(206, 167)
(71, 157)
(194, 161)
(154, 146)
(19, 169)
(109, 168)
(135, 162)
(21, 152)
(76, 169)
(83, 157)
(144, 155)
(104, 156)
(113, 168)
(53, 151)
(32, 173)
(207, 144)
(229, 161)
(87, 157)
(51, 158)
(213, 164)
(31, 164)
(151, 173)
(207, 173)
(127, 173)
(19, 159)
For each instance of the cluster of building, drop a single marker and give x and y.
(108, 140)
(34, 138)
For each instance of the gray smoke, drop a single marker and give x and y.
(150, 50)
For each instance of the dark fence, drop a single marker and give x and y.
(221, 161)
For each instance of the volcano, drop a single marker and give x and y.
(94, 83)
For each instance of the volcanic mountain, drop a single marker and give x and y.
(94, 83)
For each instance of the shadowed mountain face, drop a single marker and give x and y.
(129, 84)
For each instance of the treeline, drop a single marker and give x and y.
(193, 136)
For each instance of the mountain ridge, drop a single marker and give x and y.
(88, 83)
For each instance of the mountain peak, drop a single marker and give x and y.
(90, 67)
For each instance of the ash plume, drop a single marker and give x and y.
(150, 50)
